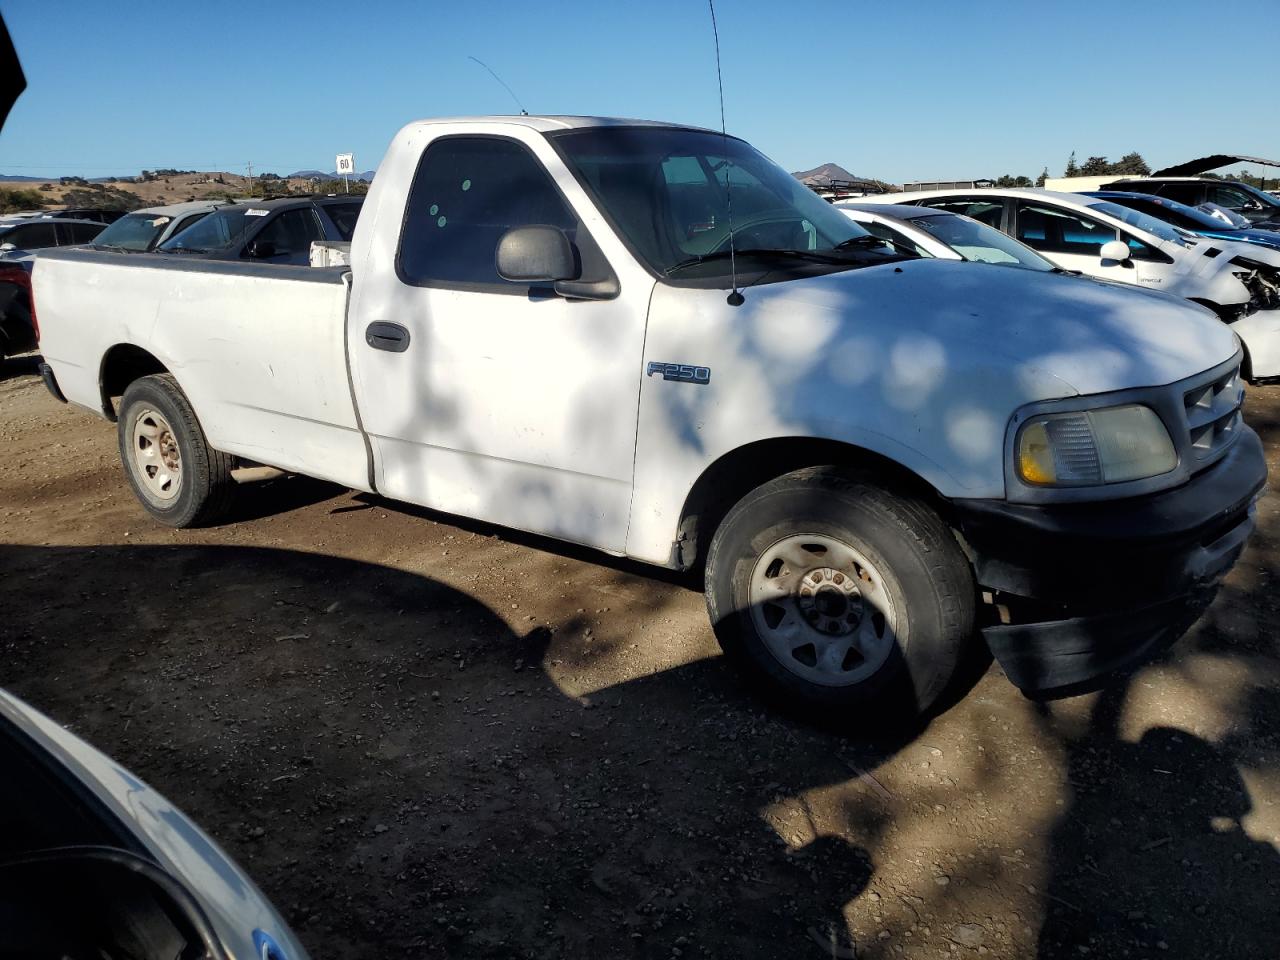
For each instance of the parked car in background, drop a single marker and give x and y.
(1196, 221)
(145, 229)
(39, 233)
(937, 233)
(269, 231)
(17, 324)
(18, 241)
(1258, 206)
(85, 213)
(1239, 282)
(547, 324)
(94, 863)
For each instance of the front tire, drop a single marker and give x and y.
(176, 476)
(841, 598)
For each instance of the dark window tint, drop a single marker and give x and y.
(1053, 230)
(291, 234)
(188, 221)
(1140, 250)
(31, 236)
(344, 217)
(78, 232)
(467, 193)
(1233, 198)
(1188, 193)
(986, 210)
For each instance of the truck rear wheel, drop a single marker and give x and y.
(174, 473)
(842, 598)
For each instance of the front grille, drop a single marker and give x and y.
(1213, 414)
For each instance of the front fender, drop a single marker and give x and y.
(789, 367)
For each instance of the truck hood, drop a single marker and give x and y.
(1089, 335)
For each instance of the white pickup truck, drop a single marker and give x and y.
(869, 457)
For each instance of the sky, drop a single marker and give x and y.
(897, 91)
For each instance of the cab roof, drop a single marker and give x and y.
(552, 123)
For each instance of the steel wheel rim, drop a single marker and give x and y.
(822, 609)
(157, 461)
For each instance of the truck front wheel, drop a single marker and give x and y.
(842, 598)
(174, 473)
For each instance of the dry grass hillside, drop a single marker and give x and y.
(171, 189)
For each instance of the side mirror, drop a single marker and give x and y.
(1253, 205)
(1116, 251)
(7, 246)
(536, 254)
(260, 249)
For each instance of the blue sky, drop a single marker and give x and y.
(899, 90)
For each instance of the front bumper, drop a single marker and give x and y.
(1095, 588)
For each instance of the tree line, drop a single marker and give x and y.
(1130, 165)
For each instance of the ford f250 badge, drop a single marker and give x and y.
(679, 371)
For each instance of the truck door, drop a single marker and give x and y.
(1071, 240)
(487, 398)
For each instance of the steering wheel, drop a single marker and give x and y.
(743, 235)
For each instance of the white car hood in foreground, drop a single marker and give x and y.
(233, 904)
(1092, 335)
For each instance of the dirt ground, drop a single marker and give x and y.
(427, 737)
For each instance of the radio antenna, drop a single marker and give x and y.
(523, 111)
(735, 298)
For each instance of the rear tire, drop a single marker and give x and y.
(176, 476)
(840, 598)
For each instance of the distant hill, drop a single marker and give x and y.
(825, 174)
(367, 176)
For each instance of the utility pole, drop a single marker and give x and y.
(250, 166)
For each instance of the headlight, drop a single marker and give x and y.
(1110, 445)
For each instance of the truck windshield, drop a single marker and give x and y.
(665, 191)
(133, 231)
(218, 230)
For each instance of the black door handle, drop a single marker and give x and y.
(387, 336)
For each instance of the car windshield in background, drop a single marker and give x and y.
(1225, 219)
(1262, 196)
(134, 231)
(982, 244)
(1136, 218)
(665, 190)
(218, 230)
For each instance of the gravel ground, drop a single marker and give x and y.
(424, 736)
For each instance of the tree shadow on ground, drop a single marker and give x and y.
(1151, 851)
(400, 769)
(406, 771)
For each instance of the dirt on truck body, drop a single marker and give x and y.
(424, 736)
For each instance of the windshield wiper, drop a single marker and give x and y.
(863, 243)
(181, 250)
(763, 253)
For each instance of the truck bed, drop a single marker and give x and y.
(269, 376)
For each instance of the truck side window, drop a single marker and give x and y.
(1052, 230)
(468, 192)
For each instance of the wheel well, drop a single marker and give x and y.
(740, 471)
(123, 364)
